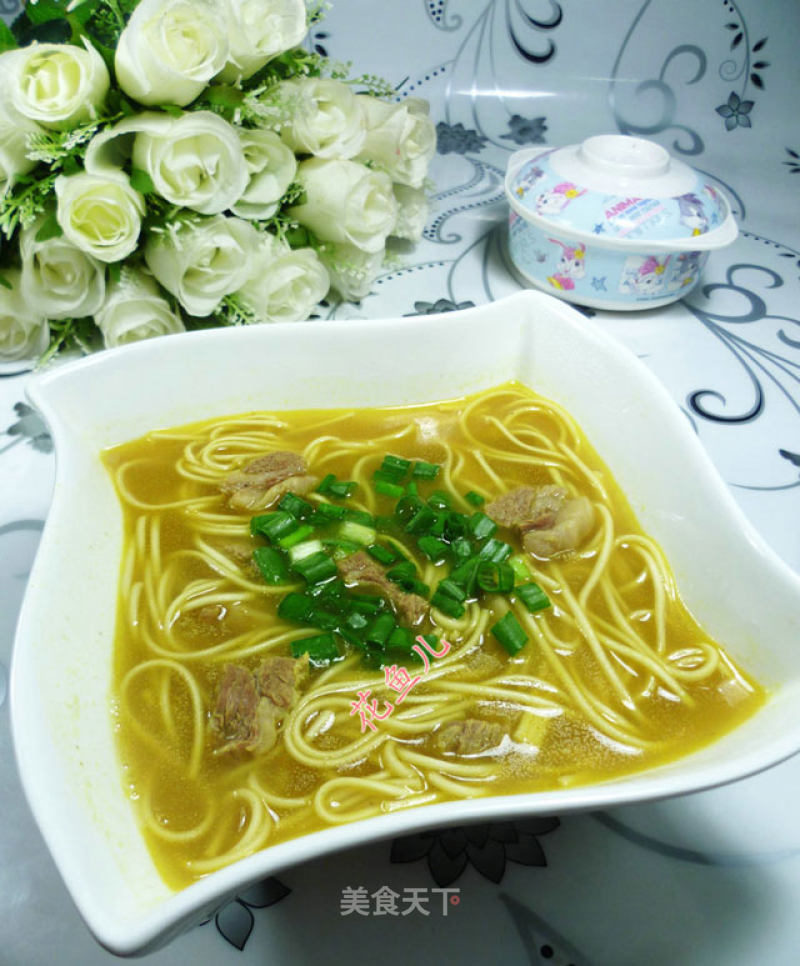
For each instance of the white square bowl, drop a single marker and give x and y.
(737, 588)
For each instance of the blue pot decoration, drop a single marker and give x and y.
(614, 222)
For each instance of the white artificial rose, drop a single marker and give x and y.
(259, 30)
(24, 333)
(57, 85)
(352, 271)
(59, 281)
(202, 260)
(346, 202)
(324, 117)
(100, 215)
(400, 138)
(14, 131)
(135, 309)
(170, 50)
(195, 161)
(271, 167)
(412, 212)
(285, 284)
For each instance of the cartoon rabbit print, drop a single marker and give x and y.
(571, 266)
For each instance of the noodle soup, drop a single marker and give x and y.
(603, 671)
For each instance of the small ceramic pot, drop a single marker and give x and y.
(614, 222)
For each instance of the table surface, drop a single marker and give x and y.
(704, 879)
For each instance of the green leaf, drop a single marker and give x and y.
(7, 39)
(172, 109)
(49, 228)
(5, 282)
(43, 11)
(142, 182)
(224, 96)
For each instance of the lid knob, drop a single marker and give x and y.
(625, 156)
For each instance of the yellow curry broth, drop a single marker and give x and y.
(200, 806)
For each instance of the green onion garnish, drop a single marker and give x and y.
(333, 487)
(495, 577)
(273, 526)
(495, 550)
(383, 555)
(393, 490)
(447, 604)
(394, 468)
(402, 571)
(316, 567)
(298, 535)
(425, 471)
(357, 532)
(295, 607)
(321, 648)
(434, 549)
(482, 526)
(380, 630)
(533, 597)
(474, 498)
(299, 508)
(271, 564)
(510, 633)
(329, 511)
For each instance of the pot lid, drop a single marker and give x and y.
(615, 187)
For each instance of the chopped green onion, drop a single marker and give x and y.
(533, 597)
(455, 526)
(321, 648)
(393, 490)
(421, 520)
(356, 620)
(402, 571)
(333, 487)
(520, 567)
(401, 639)
(495, 577)
(394, 468)
(295, 607)
(271, 564)
(452, 589)
(510, 633)
(331, 588)
(434, 549)
(296, 536)
(299, 508)
(482, 526)
(316, 567)
(439, 500)
(365, 603)
(447, 604)
(461, 548)
(382, 554)
(425, 471)
(273, 526)
(357, 532)
(474, 498)
(329, 511)
(466, 574)
(495, 550)
(359, 516)
(304, 549)
(380, 630)
(342, 548)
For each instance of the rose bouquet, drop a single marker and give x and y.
(168, 164)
